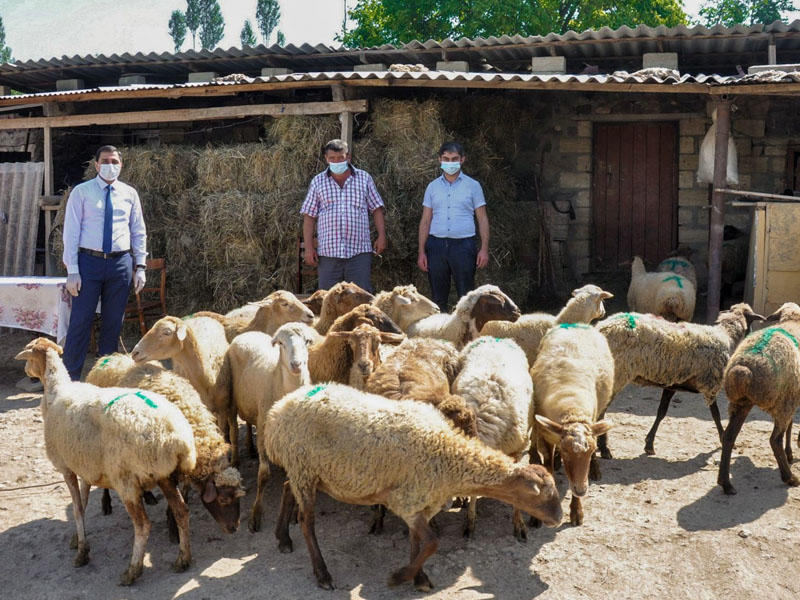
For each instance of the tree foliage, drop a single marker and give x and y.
(212, 25)
(280, 39)
(268, 14)
(192, 15)
(177, 29)
(5, 51)
(400, 21)
(247, 37)
(745, 12)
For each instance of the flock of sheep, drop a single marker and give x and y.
(383, 401)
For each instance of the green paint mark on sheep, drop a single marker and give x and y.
(314, 390)
(766, 335)
(673, 262)
(189, 316)
(677, 279)
(146, 399)
(104, 363)
(574, 326)
(631, 319)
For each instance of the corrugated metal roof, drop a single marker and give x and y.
(701, 49)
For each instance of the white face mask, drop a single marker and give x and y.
(337, 168)
(451, 168)
(109, 171)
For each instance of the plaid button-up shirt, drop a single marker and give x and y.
(342, 213)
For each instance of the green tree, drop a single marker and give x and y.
(193, 18)
(247, 36)
(280, 39)
(5, 51)
(745, 12)
(212, 25)
(400, 21)
(177, 29)
(268, 13)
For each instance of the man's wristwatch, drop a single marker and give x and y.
(142, 267)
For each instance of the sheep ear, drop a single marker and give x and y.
(601, 427)
(210, 491)
(606, 295)
(24, 354)
(180, 333)
(750, 317)
(392, 338)
(776, 316)
(552, 426)
(402, 300)
(275, 341)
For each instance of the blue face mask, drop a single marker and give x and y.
(338, 168)
(451, 168)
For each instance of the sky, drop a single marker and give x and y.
(54, 28)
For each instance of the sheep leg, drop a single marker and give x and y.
(181, 513)
(738, 413)
(105, 502)
(663, 407)
(425, 542)
(82, 557)
(575, 511)
(548, 459)
(263, 476)
(788, 444)
(376, 522)
(251, 447)
(233, 433)
(717, 420)
(141, 531)
(306, 506)
(84, 487)
(594, 469)
(284, 515)
(470, 517)
(776, 441)
(172, 525)
(520, 531)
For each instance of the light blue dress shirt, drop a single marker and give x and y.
(453, 206)
(83, 221)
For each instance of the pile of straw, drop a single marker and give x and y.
(227, 219)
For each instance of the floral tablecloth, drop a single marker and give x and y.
(37, 303)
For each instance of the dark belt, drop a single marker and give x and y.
(99, 254)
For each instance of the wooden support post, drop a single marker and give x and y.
(772, 52)
(49, 266)
(345, 118)
(717, 217)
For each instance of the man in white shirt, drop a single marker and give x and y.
(104, 248)
(447, 243)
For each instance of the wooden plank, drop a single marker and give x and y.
(345, 118)
(626, 194)
(666, 203)
(638, 217)
(746, 193)
(188, 114)
(634, 117)
(717, 216)
(599, 178)
(49, 266)
(652, 183)
(612, 198)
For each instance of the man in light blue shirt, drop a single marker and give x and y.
(447, 243)
(104, 237)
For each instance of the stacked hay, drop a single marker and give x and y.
(227, 219)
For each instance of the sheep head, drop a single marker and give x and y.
(220, 494)
(577, 442)
(344, 297)
(489, 303)
(742, 309)
(314, 301)
(591, 298)
(409, 306)
(532, 489)
(35, 356)
(365, 341)
(283, 307)
(789, 311)
(365, 313)
(293, 340)
(164, 340)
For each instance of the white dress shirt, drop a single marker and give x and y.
(84, 216)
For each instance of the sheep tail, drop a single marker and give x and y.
(674, 307)
(737, 382)
(637, 267)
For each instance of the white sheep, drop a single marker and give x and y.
(495, 383)
(197, 347)
(258, 369)
(121, 438)
(765, 372)
(219, 484)
(649, 350)
(667, 295)
(680, 265)
(585, 306)
(405, 305)
(266, 315)
(572, 381)
(473, 310)
(361, 449)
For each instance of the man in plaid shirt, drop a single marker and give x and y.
(338, 202)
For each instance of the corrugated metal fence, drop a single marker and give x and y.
(20, 190)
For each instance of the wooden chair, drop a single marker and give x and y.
(305, 273)
(151, 302)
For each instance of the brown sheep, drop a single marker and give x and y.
(340, 299)
(365, 343)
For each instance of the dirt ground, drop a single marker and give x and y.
(654, 527)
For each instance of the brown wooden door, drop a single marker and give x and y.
(634, 193)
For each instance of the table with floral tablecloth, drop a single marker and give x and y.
(36, 303)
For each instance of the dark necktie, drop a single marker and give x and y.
(107, 219)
